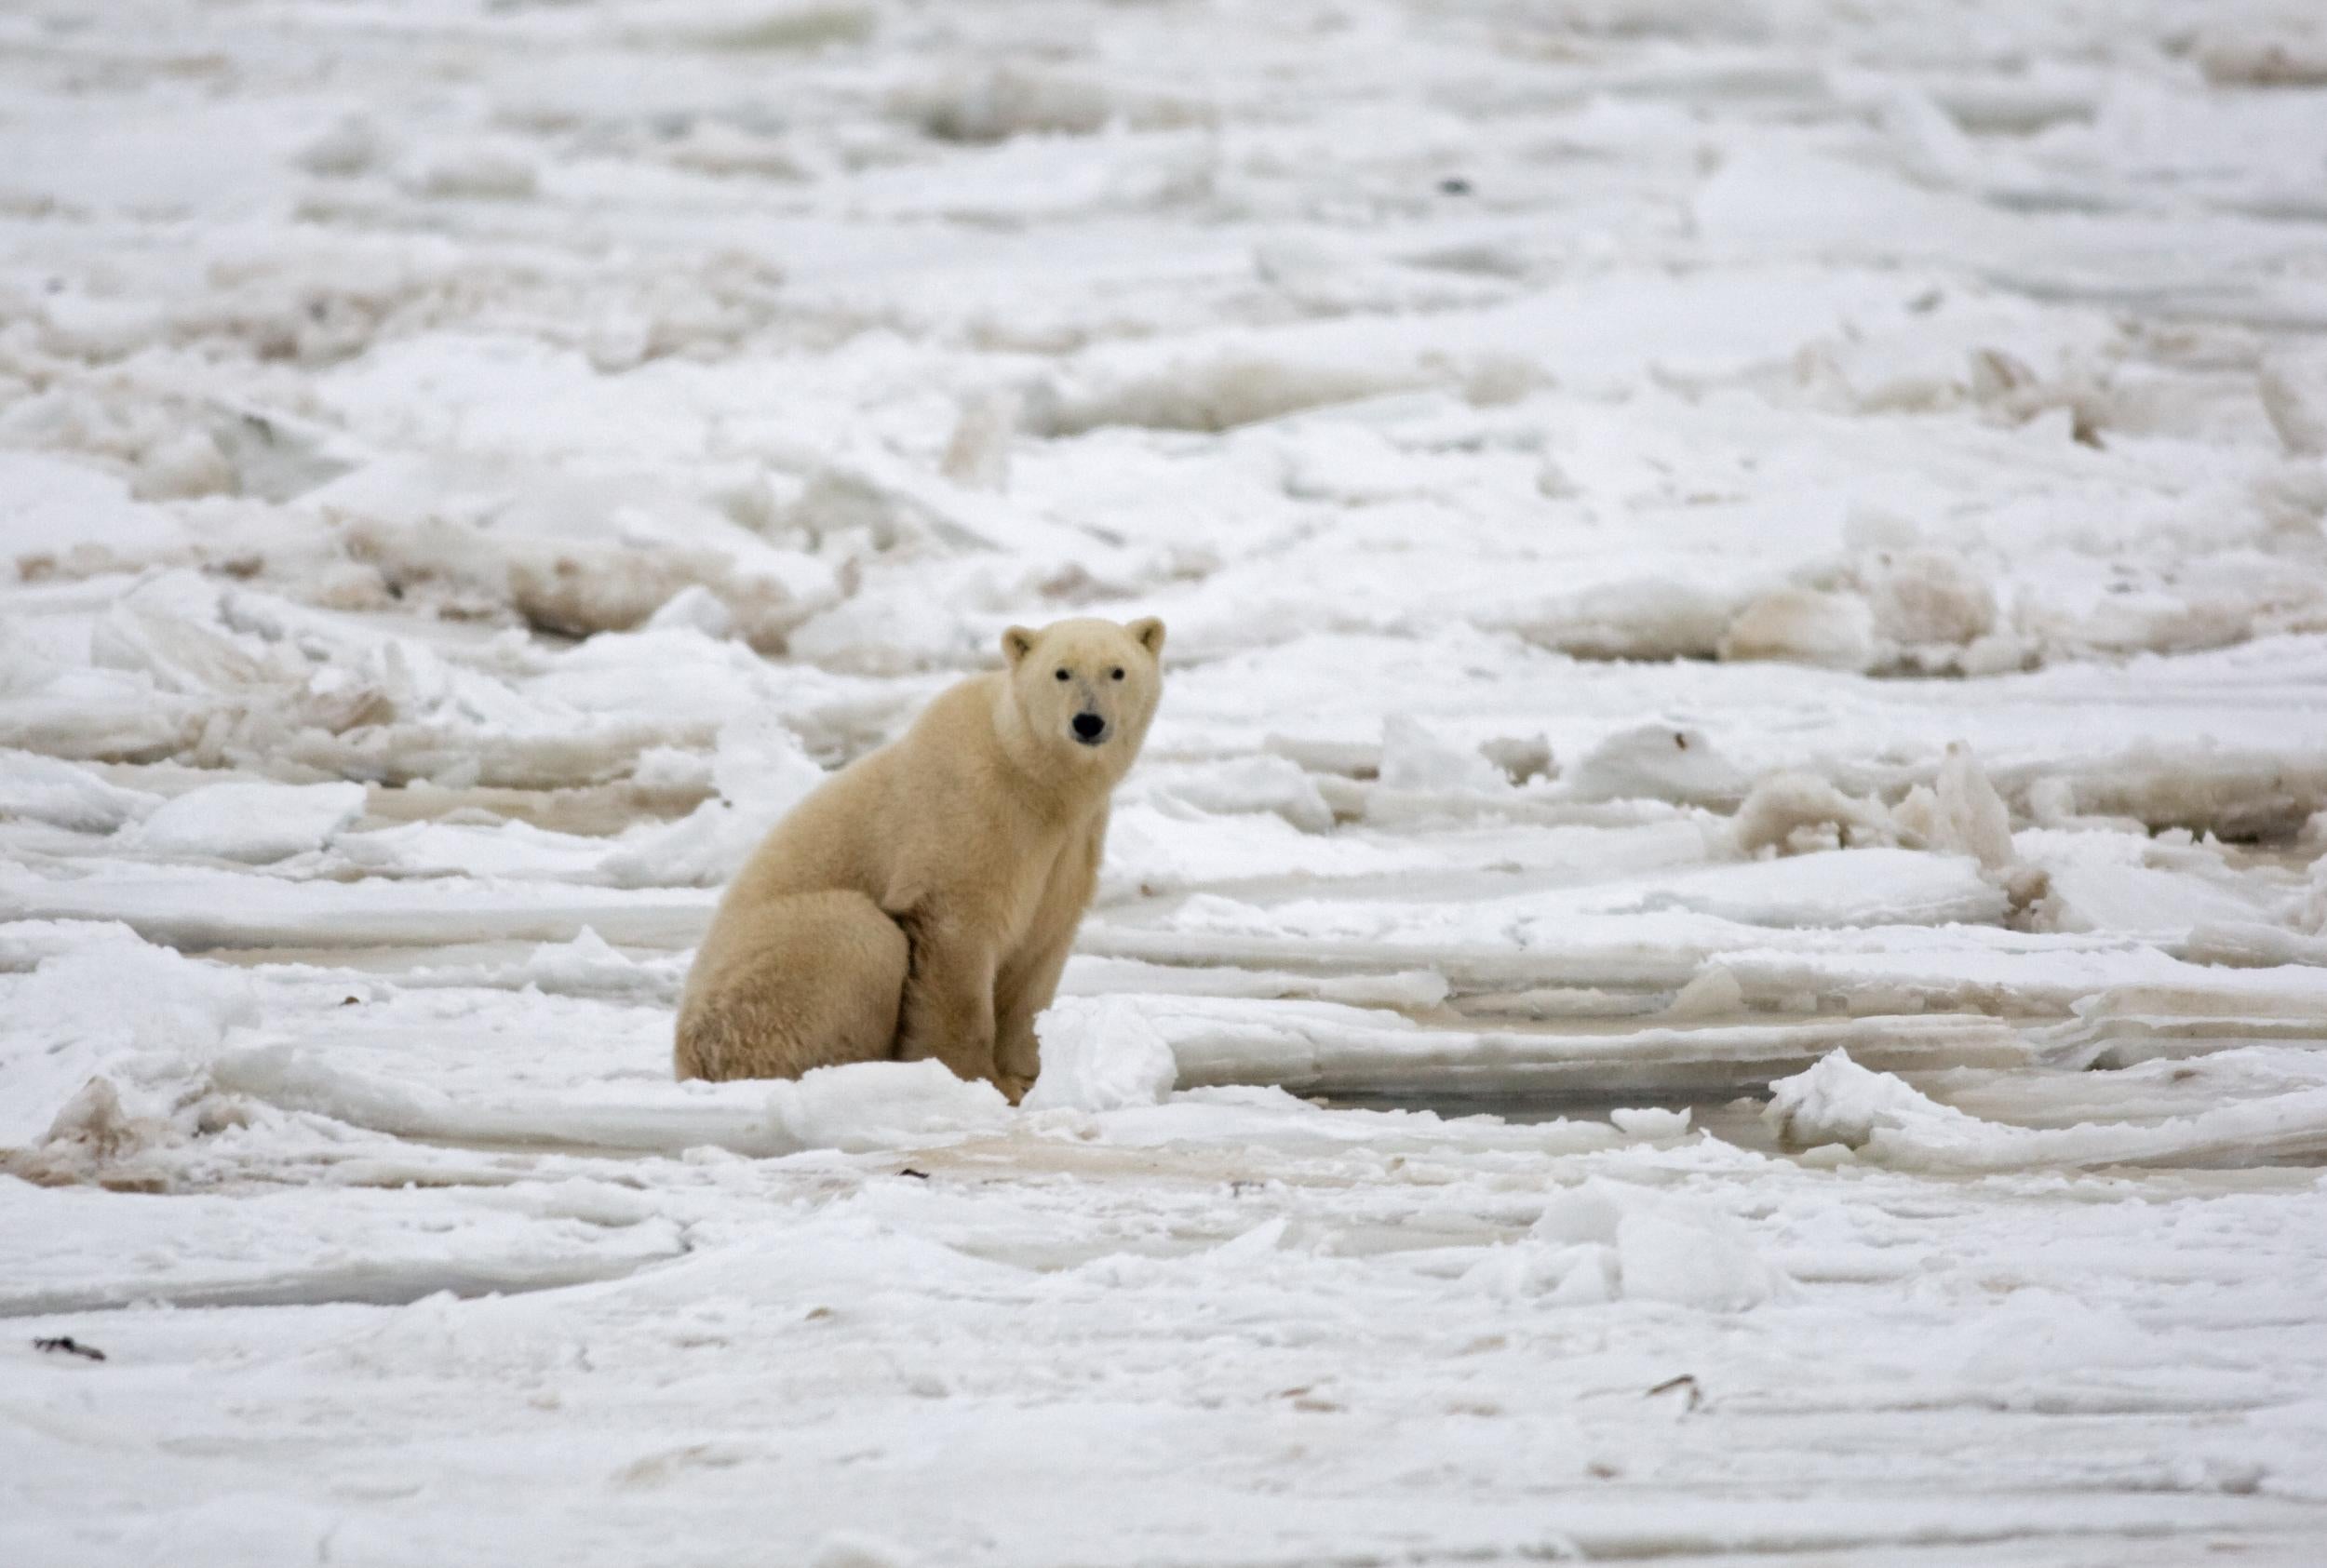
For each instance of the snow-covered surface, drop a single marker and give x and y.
(1720, 953)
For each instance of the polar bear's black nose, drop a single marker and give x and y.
(1089, 728)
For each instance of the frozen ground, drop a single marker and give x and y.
(1720, 952)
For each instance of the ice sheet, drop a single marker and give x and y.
(1720, 953)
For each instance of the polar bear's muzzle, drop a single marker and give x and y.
(1089, 728)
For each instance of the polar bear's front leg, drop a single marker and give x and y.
(1025, 987)
(1030, 979)
(947, 1010)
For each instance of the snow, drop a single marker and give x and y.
(60, 516)
(1718, 953)
(1100, 1054)
(37, 788)
(109, 1007)
(1415, 759)
(1806, 626)
(258, 822)
(1610, 1241)
(879, 1104)
(1839, 1102)
(760, 771)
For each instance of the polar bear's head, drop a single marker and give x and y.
(1088, 687)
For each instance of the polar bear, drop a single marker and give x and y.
(921, 902)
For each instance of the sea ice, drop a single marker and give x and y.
(1608, 1240)
(1839, 1102)
(113, 1006)
(1717, 952)
(879, 1105)
(250, 822)
(1100, 1054)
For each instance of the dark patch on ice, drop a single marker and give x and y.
(66, 1345)
(1685, 1382)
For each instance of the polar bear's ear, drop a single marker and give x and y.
(1149, 631)
(1016, 643)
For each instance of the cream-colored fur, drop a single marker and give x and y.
(921, 901)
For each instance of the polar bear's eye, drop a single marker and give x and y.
(1117, 672)
(1062, 674)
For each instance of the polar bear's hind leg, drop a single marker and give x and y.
(808, 981)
